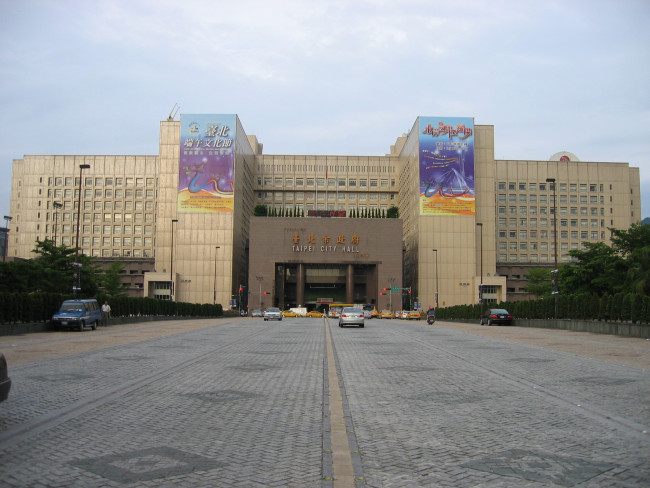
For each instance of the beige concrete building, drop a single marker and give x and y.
(186, 215)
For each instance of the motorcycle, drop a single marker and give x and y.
(431, 319)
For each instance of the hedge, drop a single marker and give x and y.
(39, 307)
(622, 307)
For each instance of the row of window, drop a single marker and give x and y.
(564, 235)
(546, 211)
(100, 229)
(100, 193)
(324, 182)
(572, 187)
(531, 258)
(549, 222)
(99, 217)
(99, 181)
(564, 199)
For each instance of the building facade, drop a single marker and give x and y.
(465, 219)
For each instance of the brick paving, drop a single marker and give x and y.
(246, 403)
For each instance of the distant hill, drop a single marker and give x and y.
(646, 221)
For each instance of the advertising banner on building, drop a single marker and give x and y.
(206, 163)
(446, 158)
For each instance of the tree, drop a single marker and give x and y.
(599, 269)
(539, 282)
(638, 272)
(112, 280)
(626, 241)
(392, 213)
(260, 211)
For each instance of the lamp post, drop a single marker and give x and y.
(260, 279)
(555, 272)
(437, 289)
(57, 206)
(216, 252)
(76, 285)
(390, 294)
(6, 246)
(480, 286)
(171, 263)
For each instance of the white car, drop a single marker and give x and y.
(272, 313)
(352, 316)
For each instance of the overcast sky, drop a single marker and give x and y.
(327, 77)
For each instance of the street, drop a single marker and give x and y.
(242, 402)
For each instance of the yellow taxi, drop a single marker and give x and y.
(413, 314)
(386, 314)
(290, 313)
(315, 313)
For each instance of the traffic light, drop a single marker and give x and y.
(381, 292)
(385, 289)
(266, 292)
(241, 289)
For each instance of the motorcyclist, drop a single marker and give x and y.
(431, 315)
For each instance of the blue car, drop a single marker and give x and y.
(77, 314)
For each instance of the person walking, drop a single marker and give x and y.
(106, 313)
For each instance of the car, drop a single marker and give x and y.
(5, 381)
(397, 314)
(77, 314)
(272, 313)
(496, 316)
(315, 313)
(334, 312)
(386, 314)
(367, 314)
(352, 316)
(403, 314)
(413, 315)
(290, 313)
(257, 313)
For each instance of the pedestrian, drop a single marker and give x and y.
(106, 313)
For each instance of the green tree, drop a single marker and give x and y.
(598, 269)
(638, 272)
(112, 280)
(539, 282)
(627, 241)
(260, 211)
(392, 213)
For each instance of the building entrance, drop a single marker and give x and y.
(308, 285)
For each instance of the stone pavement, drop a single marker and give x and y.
(247, 403)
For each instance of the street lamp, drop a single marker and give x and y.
(6, 246)
(171, 263)
(260, 279)
(390, 294)
(437, 289)
(480, 286)
(57, 206)
(555, 272)
(216, 251)
(76, 285)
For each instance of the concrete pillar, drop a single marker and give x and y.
(349, 284)
(300, 285)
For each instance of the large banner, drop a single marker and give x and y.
(207, 163)
(447, 166)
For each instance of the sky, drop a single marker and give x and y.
(339, 77)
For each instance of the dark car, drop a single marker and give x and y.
(77, 314)
(496, 316)
(5, 381)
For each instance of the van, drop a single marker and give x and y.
(77, 314)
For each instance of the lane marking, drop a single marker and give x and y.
(341, 455)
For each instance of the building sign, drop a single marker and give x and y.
(206, 163)
(326, 213)
(446, 159)
(309, 243)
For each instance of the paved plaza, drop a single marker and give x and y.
(303, 403)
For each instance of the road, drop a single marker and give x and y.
(303, 403)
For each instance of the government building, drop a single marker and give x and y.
(183, 221)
